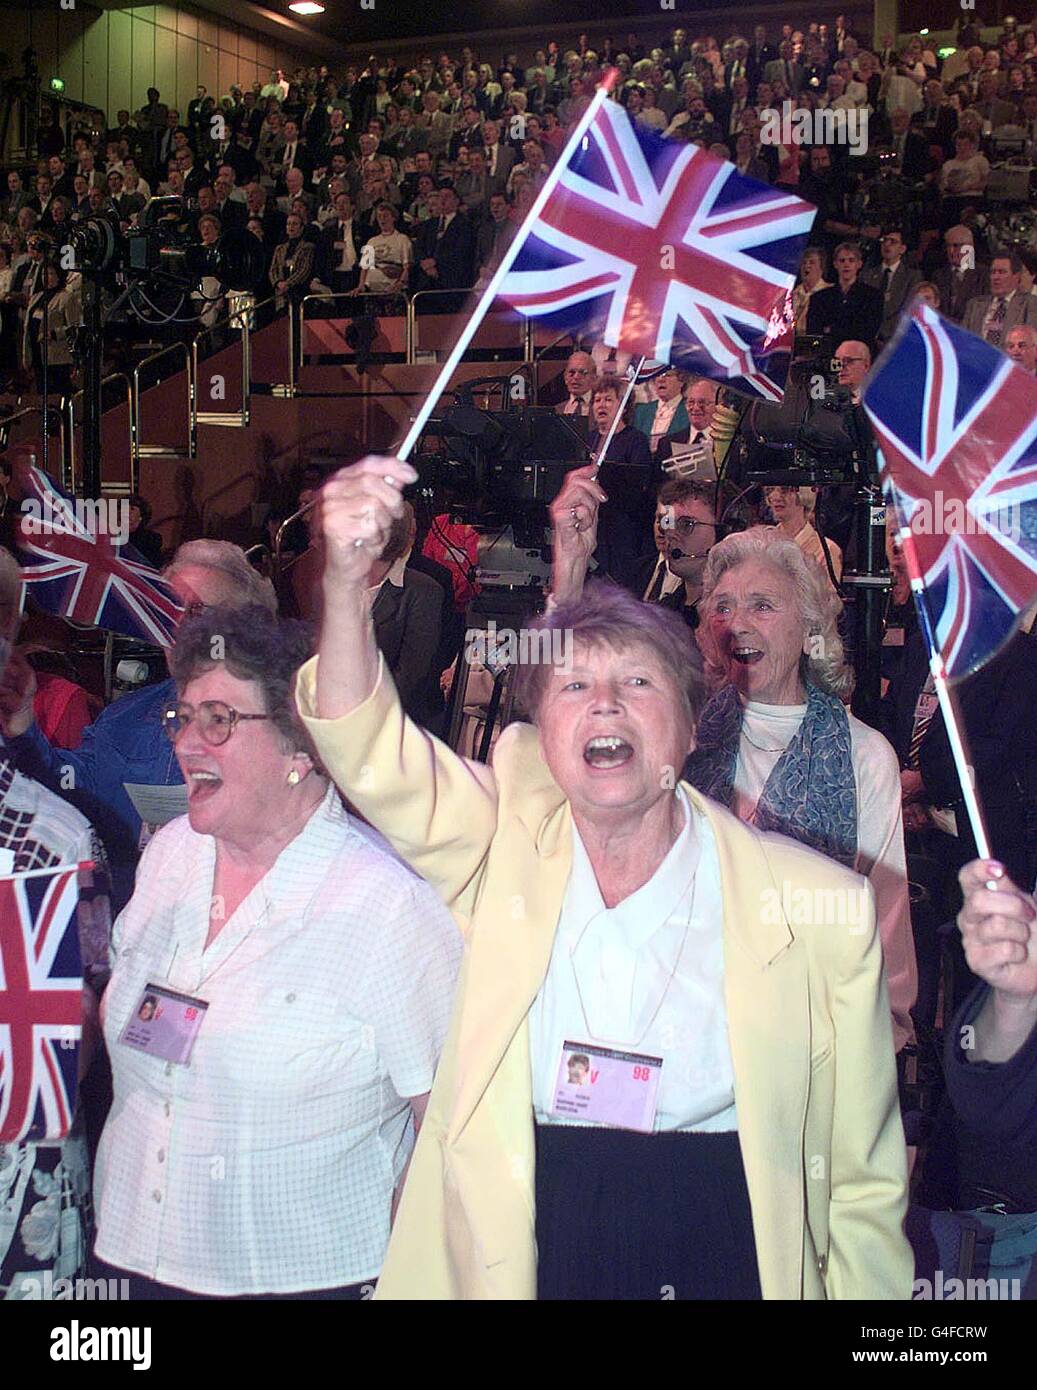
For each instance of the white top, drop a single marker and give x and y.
(671, 581)
(880, 830)
(267, 1164)
(664, 413)
(624, 958)
(392, 257)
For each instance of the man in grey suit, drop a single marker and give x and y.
(499, 158)
(897, 281)
(990, 316)
(785, 69)
(960, 279)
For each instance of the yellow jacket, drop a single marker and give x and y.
(807, 1014)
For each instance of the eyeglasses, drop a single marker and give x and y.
(684, 524)
(838, 363)
(216, 721)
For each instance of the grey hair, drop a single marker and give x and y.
(608, 616)
(229, 561)
(819, 604)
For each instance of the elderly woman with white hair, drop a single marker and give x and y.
(124, 753)
(658, 1081)
(777, 745)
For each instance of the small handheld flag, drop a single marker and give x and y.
(956, 422)
(41, 987)
(77, 566)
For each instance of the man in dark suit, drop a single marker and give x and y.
(996, 706)
(232, 212)
(445, 252)
(407, 613)
(151, 122)
(739, 64)
(313, 123)
(626, 476)
(938, 120)
(961, 279)
(294, 155)
(272, 220)
(909, 147)
(341, 242)
(407, 138)
(677, 52)
(848, 309)
(896, 281)
(241, 159)
(685, 531)
(452, 624)
(760, 54)
(167, 143)
(18, 197)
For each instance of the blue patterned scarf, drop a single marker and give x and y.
(811, 794)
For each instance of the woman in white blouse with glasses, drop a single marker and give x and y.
(280, 991)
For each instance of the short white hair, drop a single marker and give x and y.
(229, 561)
(819, 604)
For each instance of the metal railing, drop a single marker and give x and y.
(62, 446)
(140, 450)
(242, 319)
(114, 489)
(297, 327)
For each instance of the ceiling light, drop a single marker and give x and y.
(306, 7)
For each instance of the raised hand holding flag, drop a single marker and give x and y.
(956, 423)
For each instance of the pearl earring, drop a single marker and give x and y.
(294, 777)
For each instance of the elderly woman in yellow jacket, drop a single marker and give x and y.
(660, 1081)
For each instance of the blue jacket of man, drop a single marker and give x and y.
(126, 743)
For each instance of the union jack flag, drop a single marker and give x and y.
(956, 421)
(666, 251)
(41, 989)
(80, 570)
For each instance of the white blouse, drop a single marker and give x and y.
(651, 975)
(767, 730)
(267, 1163)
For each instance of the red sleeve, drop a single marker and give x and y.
(62, 710)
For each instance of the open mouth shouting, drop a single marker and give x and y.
(202, 783)
(746, 655)
(606, 752)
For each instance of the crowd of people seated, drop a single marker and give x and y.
(412, 174)
(607, 868)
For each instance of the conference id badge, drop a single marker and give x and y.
(165, 1024)
(928, 704)
(599, 1085)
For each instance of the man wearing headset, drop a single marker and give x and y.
(684, 529)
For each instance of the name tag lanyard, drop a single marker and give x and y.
(196, 984)
(633, 1043)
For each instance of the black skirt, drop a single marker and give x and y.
(621, 1215)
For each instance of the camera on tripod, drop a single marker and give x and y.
(165, 249)
(817, 437)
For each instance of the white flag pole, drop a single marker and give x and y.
(48, 873)
(489, 294)
(633, 373)
(944, 694)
